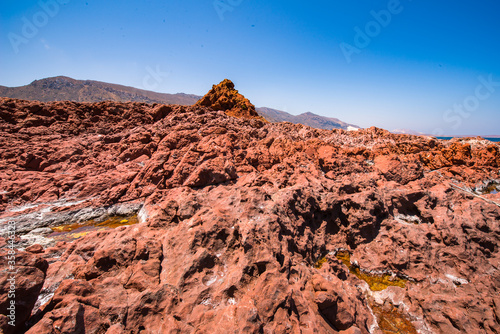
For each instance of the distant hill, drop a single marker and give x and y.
(308, 118)
(67, 89)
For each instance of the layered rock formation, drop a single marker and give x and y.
(246, 226)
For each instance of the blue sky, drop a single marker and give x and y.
(421, 65)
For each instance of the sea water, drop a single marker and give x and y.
(497, 140)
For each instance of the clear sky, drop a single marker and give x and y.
(430, 66)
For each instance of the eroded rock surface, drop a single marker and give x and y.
(242, 221)
(226, 98)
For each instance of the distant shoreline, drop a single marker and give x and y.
(495, 139)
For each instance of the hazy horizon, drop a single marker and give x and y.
(428, 67)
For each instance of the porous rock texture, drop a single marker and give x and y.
(225, 97)
(241, 220)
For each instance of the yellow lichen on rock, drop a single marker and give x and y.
(78, 230)
(320, 263)
(376, 282)
(391, 321)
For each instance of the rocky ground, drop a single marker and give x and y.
(245, 226)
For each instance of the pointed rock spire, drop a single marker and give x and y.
(224, 97)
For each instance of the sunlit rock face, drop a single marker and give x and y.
(240, 225)
(226, 98)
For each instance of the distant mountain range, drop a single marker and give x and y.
(67, 89)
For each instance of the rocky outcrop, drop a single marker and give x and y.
(21, 279)
(248, 226)
(224, 97)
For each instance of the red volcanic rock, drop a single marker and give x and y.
(393, 169)
(212, 172)
(241, 223)
(224, 97)
(21, 279)
(35, 249)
